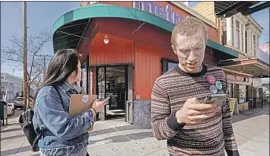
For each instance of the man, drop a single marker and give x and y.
(178, 113)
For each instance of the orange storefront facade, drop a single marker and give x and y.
(123, 55)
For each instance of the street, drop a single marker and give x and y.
(117, 138)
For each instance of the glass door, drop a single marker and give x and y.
(112, 81)
(116, 89)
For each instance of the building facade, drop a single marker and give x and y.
(10, 86)
(124, 47)
(265, 81)
(244, 74)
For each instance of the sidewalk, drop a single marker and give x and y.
(117, 138)
(252, 132)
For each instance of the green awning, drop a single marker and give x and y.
(222, 48)
(69, 28)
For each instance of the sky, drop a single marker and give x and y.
(41, 16)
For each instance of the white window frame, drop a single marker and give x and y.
(254, 44)
(237, 38)
(233, 23)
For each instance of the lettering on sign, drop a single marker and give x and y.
(158, 10)
(86, 3)
(239, 78)
(230, 77)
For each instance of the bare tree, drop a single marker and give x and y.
(35, 63)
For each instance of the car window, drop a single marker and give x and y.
(19, 99)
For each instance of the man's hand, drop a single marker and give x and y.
(194, 112)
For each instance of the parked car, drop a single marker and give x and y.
(18, 103)
(10, 109)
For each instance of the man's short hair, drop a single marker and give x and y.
(188, 27)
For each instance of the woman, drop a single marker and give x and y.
(62, 135)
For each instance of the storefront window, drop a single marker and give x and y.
(84, 76)
(171, 65)
(230, 90)
(168, 64)
(242, 94)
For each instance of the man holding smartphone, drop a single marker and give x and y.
(179, 113)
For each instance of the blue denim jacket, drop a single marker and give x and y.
(61, 130)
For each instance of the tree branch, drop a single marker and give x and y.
(12, 55)
(35, 78)
(35, 53)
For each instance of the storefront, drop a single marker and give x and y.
(124, 47)
(244, 81)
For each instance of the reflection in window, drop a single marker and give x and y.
(168, 64)
(171, 65)
(230, 90)
(101, 82)
(84, 76)
(242, 93)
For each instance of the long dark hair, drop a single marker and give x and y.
(60, 67)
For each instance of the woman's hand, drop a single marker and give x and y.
(98, 105)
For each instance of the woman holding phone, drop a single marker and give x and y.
(62, 134)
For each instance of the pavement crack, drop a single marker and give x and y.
(19, 148)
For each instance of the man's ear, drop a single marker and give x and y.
(173, 48)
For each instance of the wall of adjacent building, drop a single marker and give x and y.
(248, 28)
(10, 85)
(207, 10)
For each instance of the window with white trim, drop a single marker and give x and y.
(246, 41)
(242, 37)
(232, 32)
(224, 32)
(242, 94)
(254, 44)
(237, 35)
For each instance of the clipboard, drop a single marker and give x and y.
(80, 103)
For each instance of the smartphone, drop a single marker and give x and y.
(215, 98)
(106, 99)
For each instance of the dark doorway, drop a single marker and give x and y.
(112, 81)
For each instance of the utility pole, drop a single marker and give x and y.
(25, 81)
(44, 63)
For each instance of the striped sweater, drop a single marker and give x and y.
(210, 137)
